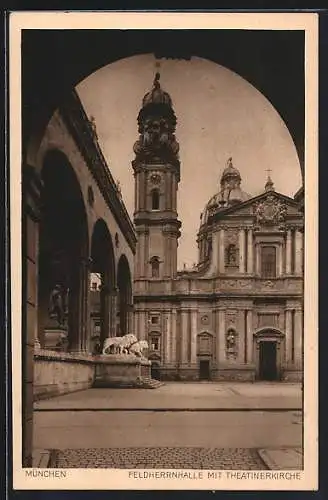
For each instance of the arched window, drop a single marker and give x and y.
(268, 262)
(154, 267)
(155, 199)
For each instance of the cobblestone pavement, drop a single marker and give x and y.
(161, 458)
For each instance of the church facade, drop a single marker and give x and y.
(238, 313)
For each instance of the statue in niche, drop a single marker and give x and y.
(57, 307)
(231, 344)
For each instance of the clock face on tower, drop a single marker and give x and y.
(155, 178)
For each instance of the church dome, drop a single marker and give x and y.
(230, 172)
(157, 95)
(230, 193)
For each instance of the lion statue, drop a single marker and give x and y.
(119, 345)
(138, 348)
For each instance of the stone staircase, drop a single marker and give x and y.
(150, 383)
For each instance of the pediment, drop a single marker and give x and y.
(270, 208)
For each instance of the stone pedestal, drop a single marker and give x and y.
(55, 337)
(121, 370)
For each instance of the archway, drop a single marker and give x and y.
(63, 258)
(125, 301)
(268, 353)
(102, 297)
(271, 60)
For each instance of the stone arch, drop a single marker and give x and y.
(276, 73)
(125, 299)
(103, 266)
(63, 257)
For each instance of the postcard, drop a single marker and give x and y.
(164, 250)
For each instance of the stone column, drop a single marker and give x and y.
(289, 251)
(142, 191)
(112, 311)
(146, 254)
(298, 258)
(217, 337)
(174, 193)
(298, 338)
(249, 333)
(258, 263)
(141, 253)
(167, 339)
(221, 337)
(242, 250)
(129, 319)
(289, 336)
(184, 336)
(136, 191)
(214, 262)
(85, 306)
(221, 251)
(174, 337)
(193, 351)
(144, 324)
(280, 261)
(250, 251)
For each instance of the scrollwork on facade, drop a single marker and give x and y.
(270, 212)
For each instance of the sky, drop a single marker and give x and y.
(219, 114)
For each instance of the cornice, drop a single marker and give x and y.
(79, 126)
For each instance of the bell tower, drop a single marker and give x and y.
(157, 173)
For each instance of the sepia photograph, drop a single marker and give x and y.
(164, 203)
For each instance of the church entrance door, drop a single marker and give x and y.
(204, 369)
(268, 361)
(155, 371)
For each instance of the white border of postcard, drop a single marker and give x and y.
(100, 479)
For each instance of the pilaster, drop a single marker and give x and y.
(242, 250)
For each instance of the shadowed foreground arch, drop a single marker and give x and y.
(272, 61)
(63, 253)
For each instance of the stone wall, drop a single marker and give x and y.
(58, 373)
